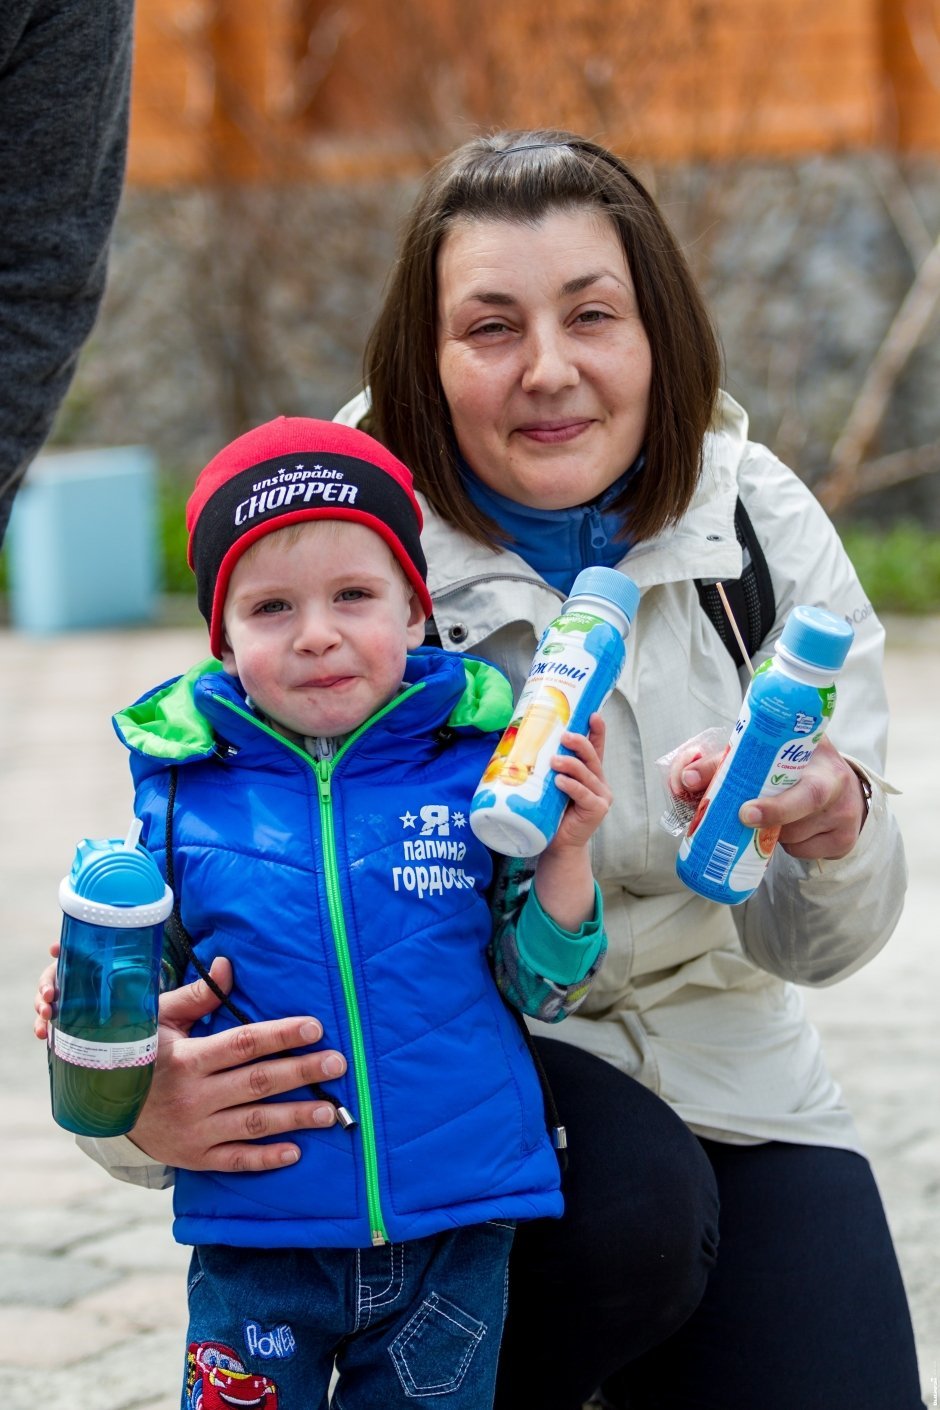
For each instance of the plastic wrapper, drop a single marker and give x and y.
(680, 807)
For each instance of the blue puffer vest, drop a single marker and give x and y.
(355, 891)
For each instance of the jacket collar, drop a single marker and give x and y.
(182, 720)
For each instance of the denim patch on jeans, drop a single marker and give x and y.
(406, 1324)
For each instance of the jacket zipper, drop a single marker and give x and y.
(593, 533)
(324, 771)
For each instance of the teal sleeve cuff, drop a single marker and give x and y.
(561, 956)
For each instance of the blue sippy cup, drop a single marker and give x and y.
(103, 1038)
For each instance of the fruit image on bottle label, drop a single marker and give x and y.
(517, 806)
(765, 840)
(495, 767)
(543, 720)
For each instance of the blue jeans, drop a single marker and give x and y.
(407, 1324)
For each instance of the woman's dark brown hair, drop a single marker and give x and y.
(521, 177)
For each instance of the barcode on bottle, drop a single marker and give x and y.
(720, 862)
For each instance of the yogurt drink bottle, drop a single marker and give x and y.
(517, 808)
(785, 714)
(103, 1038)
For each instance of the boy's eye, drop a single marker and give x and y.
(275, 605)
(352, 594)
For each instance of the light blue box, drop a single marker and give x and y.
(82, 542)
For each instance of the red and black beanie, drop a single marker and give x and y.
(286, 471)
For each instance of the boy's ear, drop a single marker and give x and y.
(228, 656)
(416, 621)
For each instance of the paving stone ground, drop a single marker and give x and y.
(92, 1301)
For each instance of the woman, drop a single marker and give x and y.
(544, 364)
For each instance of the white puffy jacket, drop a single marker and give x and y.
(696, 999)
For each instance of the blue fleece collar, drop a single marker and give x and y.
(558, 543)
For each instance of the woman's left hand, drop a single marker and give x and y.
(822, 815)
(580, 775)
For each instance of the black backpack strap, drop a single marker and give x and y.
(750, 597)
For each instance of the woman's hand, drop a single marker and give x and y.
(205, 1110)
(822, 815)
(819, 817)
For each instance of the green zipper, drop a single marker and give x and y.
(341, 945)
(323, 770)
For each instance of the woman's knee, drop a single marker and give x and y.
(641, 1201)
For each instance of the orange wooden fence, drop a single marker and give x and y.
(282, 89)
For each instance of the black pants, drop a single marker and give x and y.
(801, 1309)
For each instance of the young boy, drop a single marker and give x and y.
(307, 794)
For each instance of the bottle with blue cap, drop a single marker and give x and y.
(517, 808)
(785, 714)
(103, 1038)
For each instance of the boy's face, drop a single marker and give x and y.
(317, 626)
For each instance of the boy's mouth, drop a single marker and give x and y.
(324, 682)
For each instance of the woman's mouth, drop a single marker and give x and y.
(553, 432)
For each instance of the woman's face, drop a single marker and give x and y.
(542, 356)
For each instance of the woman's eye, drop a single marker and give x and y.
(495, 326)
(593, 315)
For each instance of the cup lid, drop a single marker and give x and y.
(107, 871)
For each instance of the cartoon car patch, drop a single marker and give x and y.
(217, 1380)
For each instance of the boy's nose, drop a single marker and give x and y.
(316, 631)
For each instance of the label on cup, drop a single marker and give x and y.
(82, 1052)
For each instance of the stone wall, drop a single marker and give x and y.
(226, 308)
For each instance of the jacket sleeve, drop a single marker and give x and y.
(814, 923)
(117, 1154)
(125, 1161)
(540, 969)
(65, 73)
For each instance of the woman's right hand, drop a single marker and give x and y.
(206, 1107)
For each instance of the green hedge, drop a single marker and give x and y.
(176, 574)
(900, 567)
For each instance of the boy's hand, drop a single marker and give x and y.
(563, 881)
(45, 996)
(580, 775)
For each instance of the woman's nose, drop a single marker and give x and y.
(549, 364)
